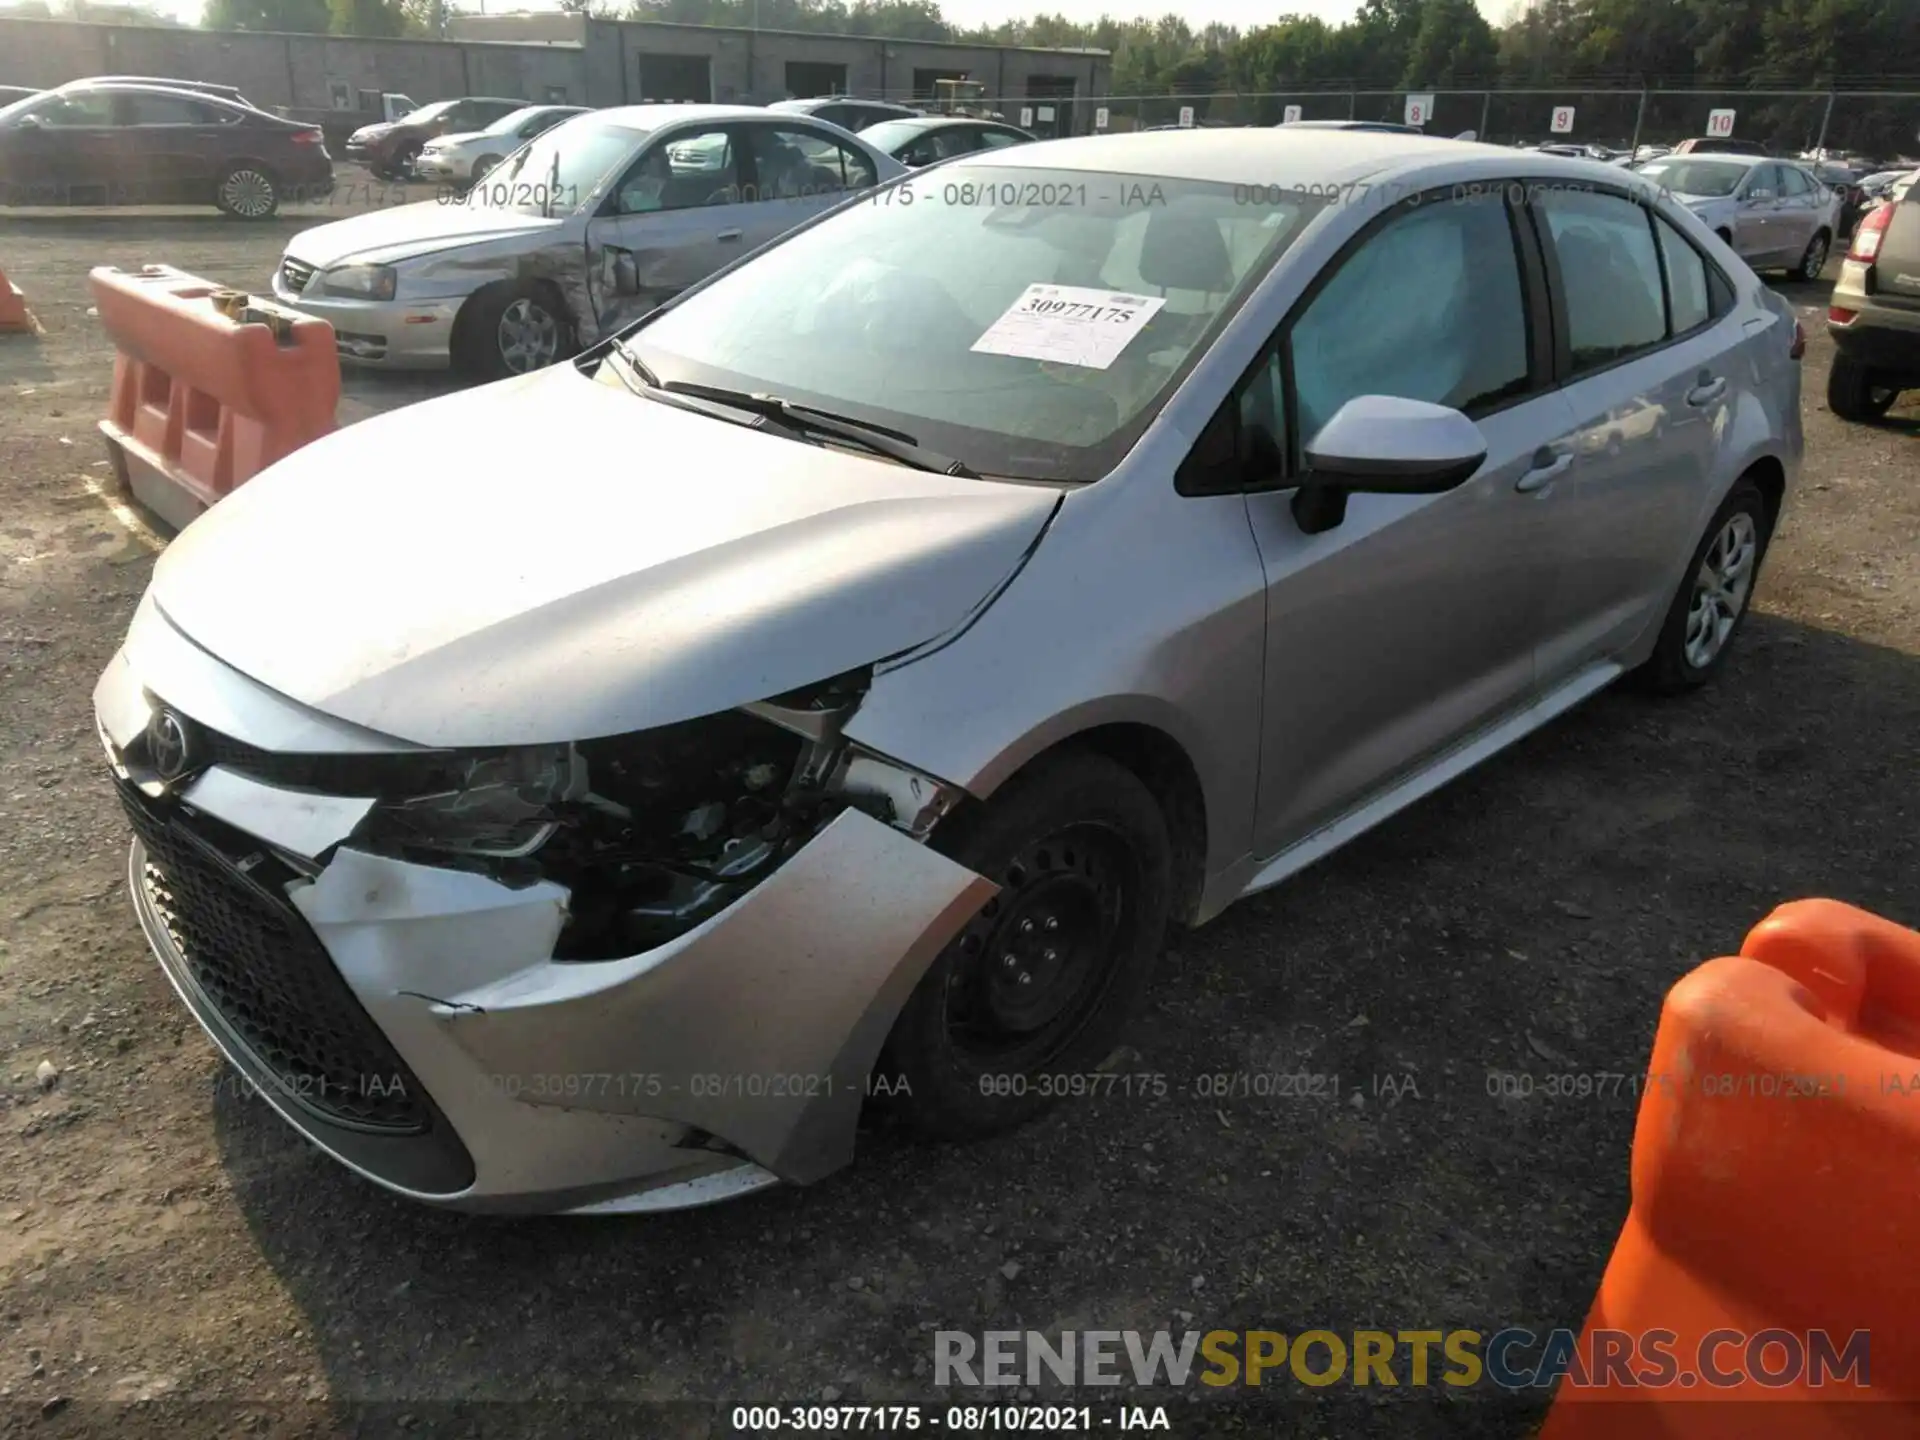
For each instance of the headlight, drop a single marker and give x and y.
(361, 282)
(498, 806)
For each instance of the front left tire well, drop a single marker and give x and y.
(1161, 764)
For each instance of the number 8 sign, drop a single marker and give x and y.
(1419, 109)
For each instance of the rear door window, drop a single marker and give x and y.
(1610, 283)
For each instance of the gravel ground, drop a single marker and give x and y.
(164, 1238)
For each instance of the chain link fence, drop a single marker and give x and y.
(1880, 124)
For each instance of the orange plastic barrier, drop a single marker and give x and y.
(15, 318)
(210, 386)
(1776, 1188)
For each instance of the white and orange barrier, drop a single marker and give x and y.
(210, 386)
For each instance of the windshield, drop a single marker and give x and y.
(560, 170)
(18, 107)
(429, 112)
(513, 120)
(890, 135)
(1696, 177)
(1028, 322)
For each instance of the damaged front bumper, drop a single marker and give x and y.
(413, 1021)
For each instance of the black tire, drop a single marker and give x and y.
(1674, 667)
(402, 163)
(1813, 259)
(247, 192)
(1081, 851)
(481, 167)
(1858, 392)
(479, 344)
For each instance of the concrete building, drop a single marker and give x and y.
(554, 58)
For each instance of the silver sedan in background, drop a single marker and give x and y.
(1775, 214)
(458, 160)
(582, 230)
(920, 617)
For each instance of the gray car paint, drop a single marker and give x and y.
(1208, 626)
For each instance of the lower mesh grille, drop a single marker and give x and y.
(265, 972)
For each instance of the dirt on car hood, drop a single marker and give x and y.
(551, 558)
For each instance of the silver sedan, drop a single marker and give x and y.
(828, 691)
(1775, 214)
(592, 224)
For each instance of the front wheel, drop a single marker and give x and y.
(247, 192)
(1713, 599)
(481, 167)
(510, 329)
(1858, 392)
(1030, 998)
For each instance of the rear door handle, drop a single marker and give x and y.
(1707, 391)
(725, 235)
(1547, 468)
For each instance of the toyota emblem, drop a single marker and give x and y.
(168, 745)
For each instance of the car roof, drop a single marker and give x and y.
(948, 122)
(1379, 126)
(653, 117)
(1287, 155)
(1726, 157)
(220, 99)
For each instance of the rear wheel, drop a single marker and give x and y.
(510, 329)
(247, 192)
(1858, 392)
(1037, 988)
(1815, 258)
(1714, 597)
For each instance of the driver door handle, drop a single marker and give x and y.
(1548, 466)
(733, 234)
(1707, 391)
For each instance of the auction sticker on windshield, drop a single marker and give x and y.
(1069, 324)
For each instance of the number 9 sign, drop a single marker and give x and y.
(1562, 123)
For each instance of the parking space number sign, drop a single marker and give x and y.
(1720, 123)
(1290, 115)
(1186, 117)
(1419, 109)
(1562, 120)
(1100, 117)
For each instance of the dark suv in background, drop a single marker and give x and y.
(388, 149)
(114, 142)
(1874, 313)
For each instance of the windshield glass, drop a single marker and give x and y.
(1696, 177)
(1028, 322)
(890, 135)
(429, 112)
(560, 170)
(513, 120)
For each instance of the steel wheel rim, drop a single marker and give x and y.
(248, 193)
(529, 336)
(1721, 587)
(1062, 909)
(1815, 260)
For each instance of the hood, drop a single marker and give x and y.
(401, 231)
(550, 559)
(373, 131)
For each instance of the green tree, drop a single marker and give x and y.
(1453, 45)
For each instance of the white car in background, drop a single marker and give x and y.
(462, 159)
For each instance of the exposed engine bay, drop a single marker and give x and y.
(652, 833)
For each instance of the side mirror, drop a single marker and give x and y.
(30, 122)
(1384, 445)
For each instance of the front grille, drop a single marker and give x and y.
(295, 274)
(265, 973)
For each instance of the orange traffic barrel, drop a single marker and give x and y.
(15, 318)
(1765, 1286)
(210, 386)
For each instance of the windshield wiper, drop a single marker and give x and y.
(894, 444)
